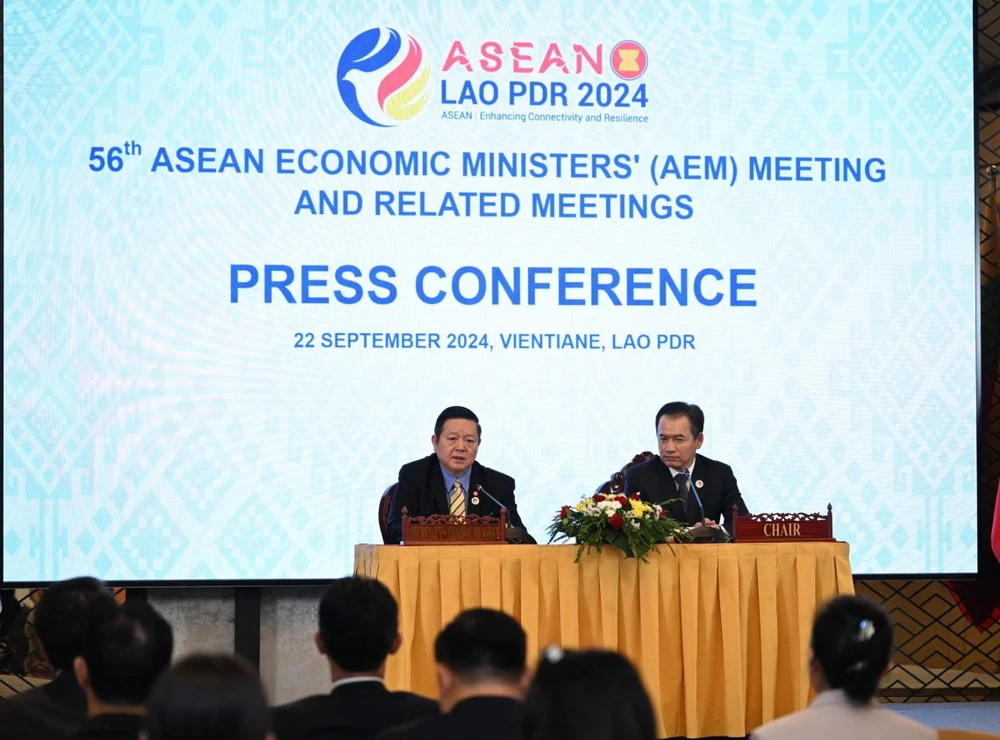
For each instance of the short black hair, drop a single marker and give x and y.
(852, 640)
(482, 645)
(63, 613)
(358, 622)
(456, 412)
(126, 650)
(560, 702)
(675, 409)
(206, 697)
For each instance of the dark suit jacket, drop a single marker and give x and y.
(718, 493)
(355, 711)
(482, 718)
(111, 727)
(52, 712)
(421, 490)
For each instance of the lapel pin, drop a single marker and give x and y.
(699, 484)
(475, 500)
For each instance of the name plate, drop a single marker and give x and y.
(448, 529)
(798, 527)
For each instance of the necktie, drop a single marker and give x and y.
(457, 503)
(681, 480)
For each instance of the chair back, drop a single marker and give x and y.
(384, 504)
(616, 483)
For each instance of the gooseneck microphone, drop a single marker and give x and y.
(515, 535)
(705, 533)
(694, 490)
(487, 494)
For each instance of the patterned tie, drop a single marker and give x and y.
(681, 480)
(457, 504)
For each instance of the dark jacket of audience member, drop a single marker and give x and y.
(590, 695)
(358, 630)
(58, 709)
(850, 649)
(481, 670)
(207, 697)
(124, 651)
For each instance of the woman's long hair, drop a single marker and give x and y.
(589, 695)
(852, 641)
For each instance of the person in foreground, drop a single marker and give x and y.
(124, 651)
(850, 648)
(207, 697)
(58, 709)
(680, 473)
(482, 676)
(560, 704)
(358, 630)
(448, 481)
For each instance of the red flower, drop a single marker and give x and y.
(598, 498)
(636, 496)
(565, 512)
(616, 521)
(663, 514)
(621, 499)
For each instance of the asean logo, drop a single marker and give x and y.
(629, 60)
(383, 78)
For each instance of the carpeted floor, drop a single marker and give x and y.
(974, 715)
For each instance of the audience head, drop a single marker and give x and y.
(480, 653)
(679, 428)
(124, 652)
(358, 626)
(851, 644)
(456, 439)
(63, 614)
(560, 703)
(207, 697)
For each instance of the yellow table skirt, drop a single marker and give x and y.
(720, 633)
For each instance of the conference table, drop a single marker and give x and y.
(719, 632)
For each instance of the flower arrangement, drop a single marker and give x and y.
(630, 524)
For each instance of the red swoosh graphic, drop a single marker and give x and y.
(398, 77)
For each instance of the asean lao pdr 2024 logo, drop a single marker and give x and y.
(383, 77)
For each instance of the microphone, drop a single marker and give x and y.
(484, 492)
(514, 534)
(694, 490)
(705, 533)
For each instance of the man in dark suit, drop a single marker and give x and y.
(59, 708)
(358, 630)
(482, 674)
(681, 473)
(449, 480)
(124, 651)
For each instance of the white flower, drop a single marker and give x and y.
(635, 524)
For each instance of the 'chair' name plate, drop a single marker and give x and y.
(783, 527)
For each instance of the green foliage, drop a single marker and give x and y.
(633, 526)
